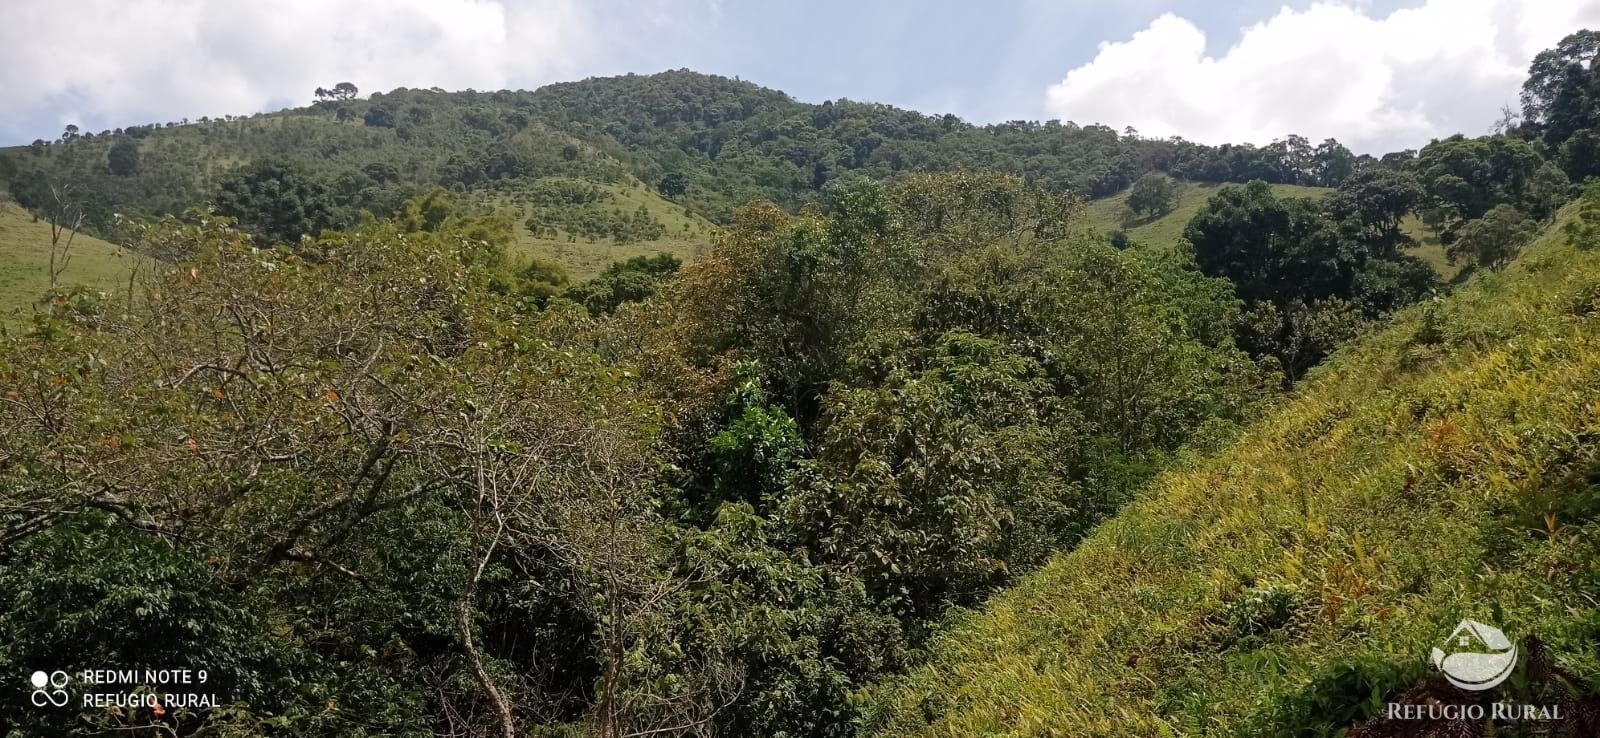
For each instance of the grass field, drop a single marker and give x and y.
(1428, 247)
(25, 258)
(688, 236)
(1447, 467)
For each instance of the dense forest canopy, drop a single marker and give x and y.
(336, 442)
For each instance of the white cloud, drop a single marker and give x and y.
(1330, 70)
(106, 63)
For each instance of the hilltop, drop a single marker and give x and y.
(1292, 582)
(694, 144)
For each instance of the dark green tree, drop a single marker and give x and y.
(1580, 155)
(1373, 203)
(1559, 98)
(1272, 249)
(1153, 195)
(1465, 177)
(673, 184)
(123, 158)
(629, 281)
(379, 116)
(279, 202)
(1495, 239)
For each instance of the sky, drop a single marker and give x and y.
(1379, 75)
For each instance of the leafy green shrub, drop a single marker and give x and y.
(1261, 611)
(1341, 694)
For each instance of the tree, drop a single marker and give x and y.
(1272, 249)
(1299, 333)
(1548, 189)
(1558, 98)
(1332, 164)
(1495, 239)
(1468, 176)
(673, 184)
(1583, 231)
(66, 217)
(1153, 195)
(1373, 203)
(123, 158)
(338, 93)
(279, 202)
(1580, 155)
(631, 281)
(379, 116)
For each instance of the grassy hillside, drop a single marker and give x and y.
(25, 258)
(687, 235)
(483, 154)
(1444, 468)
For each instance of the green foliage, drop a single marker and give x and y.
(1259, 611)
(556, 192)
(594, 221)
(753, 457)
(1373, 203)
(673, 184)
(297, 468)
(379, 116)
(122, 159)
(1298, 334)
(931, 485)
(1152, 196)
(978, 387)
(1343, 536)
(1562, 93)
(1310, 272)
(628, 281)
(95, 593)
(1580, 155)
(1466, 177)
(1491, 242)
(278, 202)
(802, 638)
(376, 469)
(1583, 231)
(1271, 249)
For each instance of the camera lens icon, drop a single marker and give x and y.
(49, 689)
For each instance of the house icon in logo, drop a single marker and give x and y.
(1476, 656)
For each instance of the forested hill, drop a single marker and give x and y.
(705, 142)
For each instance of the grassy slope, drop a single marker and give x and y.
(1402, 488)
(688, 235)
(217, 149)
(1105, 216)
(25, 256)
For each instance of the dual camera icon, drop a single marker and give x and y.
(49, 689)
